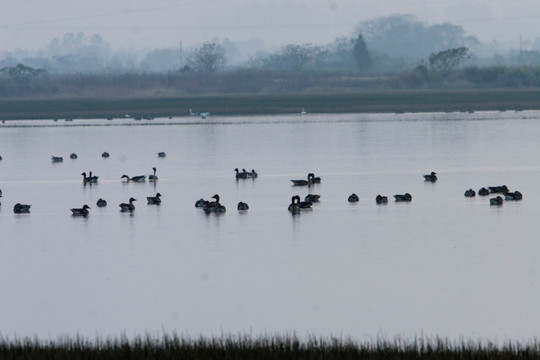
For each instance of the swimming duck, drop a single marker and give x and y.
(353, 198)
(241, 175)
(138, 178)
(242, 206)
(153, 177)
(483, 192)
(381, 199)
(431, 177)
(314, 179)
(516, 195)
(128, 207)
(80, 211)
(303, 204)
(498, 189)
(161, 154)
(303, 182)
(56, 158)
(294, 208)
(496, 201)
(312, 198)
(101, 202)
(89, 179)
(105, 154)
(201, 203)
(73, 156)
(0, 192)
(21, 208)
(214, 206)
(253, 174)
(470, 193)
(154, 200)
(403, 197)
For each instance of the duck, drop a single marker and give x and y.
(496, 201)
(379, 199)
(214, 206)
(161, 154)
(73, 156)
(241, 174)
(101, 202)
(353, 198)
(128, 206)
(0, 192)
(105, 154)
(498, 189)
(470, 193)
(253, 174)
(516, 195)
(89, 179)
(312, 198)
(21, 208)
(483, 192)
(201, 203)
(242, 206)
(56, 158)
(294, 208)
(154, 200)
(303, 204)
(80, 211)
(314, 179)
(153, 177)
(303, 182)
(403, 197)
(138, 178)
(431, 177)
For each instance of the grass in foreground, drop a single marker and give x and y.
(262, 347)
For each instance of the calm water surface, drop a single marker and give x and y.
(441, 265)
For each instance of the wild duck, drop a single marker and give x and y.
(242, 206)
(403, 197)
(483, 192)
(101, 202)
(161, 154)
(92, 179)
(201, 203)
(80, 211)
(303, 204)
(128, 206)
(496, 201)
(293, 206)
(105, 154)
(516, 195)
(214, 206)
(502, 189)
(379, 199)
(470, 193)
(303, 182)
(153, 176)
(431, 177)
(314, 179)
(73, 156)
(138, 178)
(21, 208)
(253, 174)
(154, 200)
(56, 158)
(241, 174)
(312, 198)
(353, 198)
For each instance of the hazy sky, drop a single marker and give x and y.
(32, 24)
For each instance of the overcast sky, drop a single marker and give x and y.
(32, 24)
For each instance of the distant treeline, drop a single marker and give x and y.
(264, 347)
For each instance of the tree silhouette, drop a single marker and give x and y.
(361, 54)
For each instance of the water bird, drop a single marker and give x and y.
(91, 179)
(253, 174)
(128, 206)
(403, 197)
(56, 159)
(154, 200)
(0, 192)
(379, 199)
(516, 195)
(470, 193)
(80, 211)
(312, 198)
(242, 206)
(101, 203)
(353, 198)
(431, 177)
(153, 177)
(303, 182)
(73, 156)
(496, 201)
(21, 208)
(138, 178)
(483, 192)
(314, 179)
(498, 189)
(294, 208)
(214, 206)
(105, 154)
(303, 204)
(241, 174)
(161, 154)
(201, 203)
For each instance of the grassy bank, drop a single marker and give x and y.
(359, 102)
(265, 347)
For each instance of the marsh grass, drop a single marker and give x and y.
(287, 346)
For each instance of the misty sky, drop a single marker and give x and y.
(32, 24)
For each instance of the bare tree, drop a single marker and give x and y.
(208, 58)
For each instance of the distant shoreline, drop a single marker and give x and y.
(272, 104)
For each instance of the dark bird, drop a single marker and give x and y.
(381, 199)
(153, 176)
(303, 204)
(201, 203)
(253, 174)
(80, 211)
(214, 206)
(353, 198)
(312, 198)
(403, 197)
(138, 178)
(161, 154)
(73, 156)
(502, 189)
(241, 174)
(101, 202)
(21, 208)
(303, 182)
(314, 179)
(154, 200)
(496, 201)
(516, 195)
(56, 159)
(128, 206)
(431, 177)
(105, 154)
(92, 179)
(294, 208)
(483, 192)
(470, 193)
(242, 206)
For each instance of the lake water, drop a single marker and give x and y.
(441, 265)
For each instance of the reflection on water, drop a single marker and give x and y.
(442, 264)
